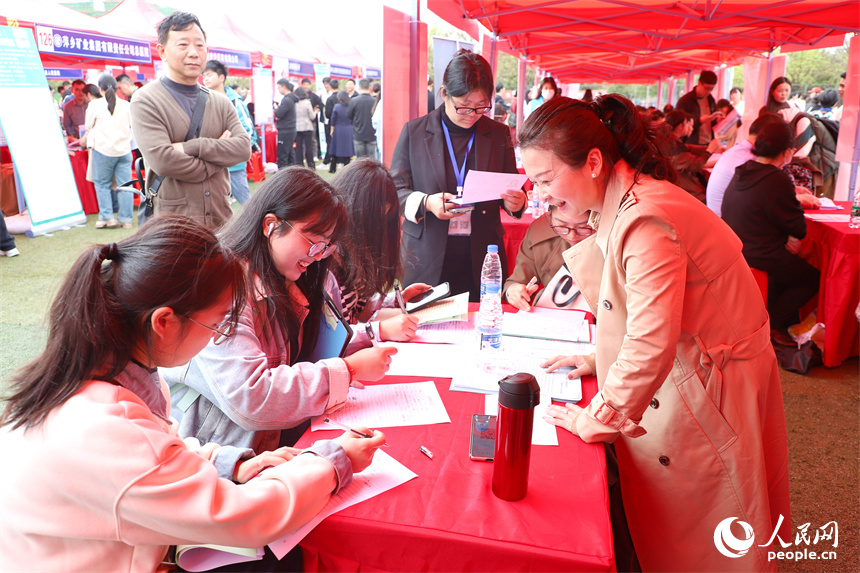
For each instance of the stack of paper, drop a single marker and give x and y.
(548, 323)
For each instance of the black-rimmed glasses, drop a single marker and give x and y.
(223, 331)
(581, 230)
(470, 110)
(316, 249)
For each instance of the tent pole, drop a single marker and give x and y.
(660, 94)
(769, 69)
(521, 91)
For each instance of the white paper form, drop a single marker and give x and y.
(827, 217)
(389, 406)
(451, 308)
(828, 204)
(543, 433)
(448, 332)
(383, 474)
(554, 324)
(433, 360)
(488, 186)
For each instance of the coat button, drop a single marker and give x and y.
(607, 305)
(664, 460)
(655, 403)
(206, 193)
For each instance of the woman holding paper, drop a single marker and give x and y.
(369, 264)
(436, 152)
(257, 388)
(689, 386)
(100, 480)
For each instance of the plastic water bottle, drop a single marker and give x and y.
(490, 314)
(536, 206)
(854, 217)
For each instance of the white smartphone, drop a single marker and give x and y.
(438, 292)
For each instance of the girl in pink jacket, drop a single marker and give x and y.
(100, 480)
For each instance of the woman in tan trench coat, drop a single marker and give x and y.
(689, 387)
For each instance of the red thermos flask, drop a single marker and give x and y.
(518, 396)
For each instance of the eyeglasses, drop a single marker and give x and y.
(470, 110)
(322, 248)
(581, 230)
(224, 330)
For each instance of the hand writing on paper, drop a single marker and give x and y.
(520, 295)
(400, 328)
(577, 362)
(563, 416)
(360, 450)
(439, 204)
(247, 469)
(808, 200)
(514, 199)
(370, 363)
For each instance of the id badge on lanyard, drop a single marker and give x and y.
(462, 224)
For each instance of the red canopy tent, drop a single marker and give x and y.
(625, 41)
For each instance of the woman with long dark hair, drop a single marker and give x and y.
(108, 121)
(369, 264)
(342, 146)
(100, 479)
(548, 90)
(257, 387)
(689, 387)
(435, 152)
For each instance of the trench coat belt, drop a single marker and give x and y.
(715, 358)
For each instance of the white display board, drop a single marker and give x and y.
(29, 122)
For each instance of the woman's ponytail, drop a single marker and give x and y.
(108, 84)
(637, 143)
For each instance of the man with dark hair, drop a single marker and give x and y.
(126, 86)
(699, 103)
(194, 179)
(285, 121)
(350, 88)
(360, 111)
(327, 94)
(75, 110)
(761, 208)
(736, 156)
(499, 100)
(214, 77)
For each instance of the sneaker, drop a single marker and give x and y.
(112, 224)
(11, 253)
(126, 225)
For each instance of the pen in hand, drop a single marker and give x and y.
(369, 330)
(532, 283)
(398, 296)
(348, 429)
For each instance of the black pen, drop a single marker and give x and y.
(348, 429)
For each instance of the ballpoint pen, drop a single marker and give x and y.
(348, 429)
(532, 282)
(398, 296)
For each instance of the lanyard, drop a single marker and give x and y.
(461, 172)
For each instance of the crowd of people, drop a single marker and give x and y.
(201, 327)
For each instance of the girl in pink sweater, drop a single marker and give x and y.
(100, 479)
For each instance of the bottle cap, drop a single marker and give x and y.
(492, 248)
(519, 391)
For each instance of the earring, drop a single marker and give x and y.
(593, 175)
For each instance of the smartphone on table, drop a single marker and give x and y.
(482, 443)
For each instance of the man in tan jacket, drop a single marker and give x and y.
(196, 181)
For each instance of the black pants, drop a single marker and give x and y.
(791, 282)
(286, 155)
(7, 243)
(457, 268)
(305, 148)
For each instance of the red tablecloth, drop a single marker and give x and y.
(515, 232)
(835, 251)
(448, 519)
(86, 189)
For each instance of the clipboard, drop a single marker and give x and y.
(334, 334)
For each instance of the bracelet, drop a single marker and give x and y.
(351, 371)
